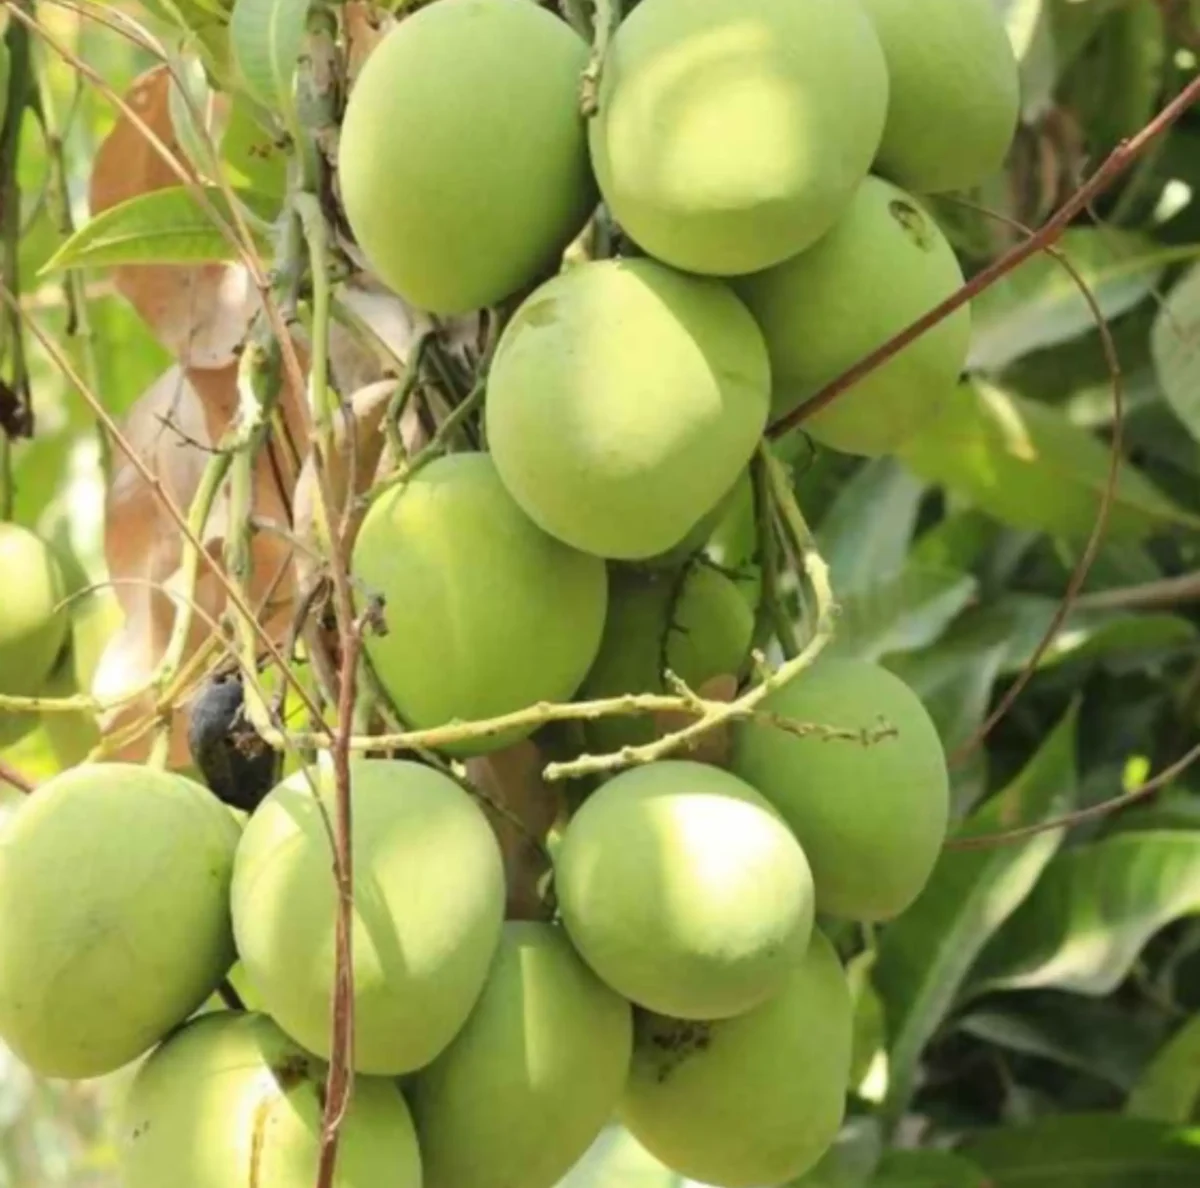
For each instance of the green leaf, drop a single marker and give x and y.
(907, 611)
(1088, 1151)
(267, 37)
(926, 955)
(1169, 1088)
(864, 536)
(851, 1161)
(1025, 464)
(1038, 304)
(927, 1169)
(167, 226)
(1175, 344)
(1096, 1037)
(1093, 911)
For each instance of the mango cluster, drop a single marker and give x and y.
(759, 165)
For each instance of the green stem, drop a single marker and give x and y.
(773, 615)
(608, 16)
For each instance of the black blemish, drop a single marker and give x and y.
(671, 1042)
(291, 1071)
(914, 224)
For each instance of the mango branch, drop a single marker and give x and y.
(1113, 166)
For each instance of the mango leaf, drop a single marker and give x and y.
(1175, 345)
(1025, 464)
(1096, 1037)
(1169, 1087)
(1038, 304)
(864, 536)
(1088, 1151)
(267, 37)
(1093, 911)
(167, 226)
(907, 611)
(927, 1169)
(926, 955)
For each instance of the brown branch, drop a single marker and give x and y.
(1088, 557)
(340, 1083)
(1050, 232)
(10, 775)
(985, 841)
(1147, 596)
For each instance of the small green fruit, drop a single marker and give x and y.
(428, 902)
(752, 1100)
(684, 891)
(885, 264)
(230, 1100)
(624, 401)
(463, 159)
(694, 621)
(731, 133)
(114, 885)
(532, 1078)
(486, 613)
(871, 818)
(955, 92)
(33, 624)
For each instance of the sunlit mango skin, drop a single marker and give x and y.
(752, 1100)
(532, 1078)
(486, 613)
(114, 891)
(230, 1100)
(624, 401)
(684, 891)
(871, 818)
(732, 133)
(884, 264)
(428, 905)
(955, 92)
(463, 160)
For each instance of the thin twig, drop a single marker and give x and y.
(1107, 496)
(1093, 812)
(1049, 233)
(10, 775)
(1165, 592)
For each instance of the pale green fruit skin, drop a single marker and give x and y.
(885, 264)
(955, 92)
(684, 891)
(486, 613)
(463, 158)
(623, 402)
(532, 1078)
(429, 898)
(696, 620)
(114, 885)
(33, 627)
(230, 1100)
(871, 819)
(731, 133)
(753, 1100)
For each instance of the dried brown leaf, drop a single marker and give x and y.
(200, 313)
(521, 807)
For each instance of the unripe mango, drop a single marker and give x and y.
(694, 621)
(428, 902)
(955, 92)
(230, 1100)
(753, 1100)
(624, 400)
(871, 818)
(885, 264)
(114, 885)
(731, 133)
(684, 891)
(532, 1078)
(486, 613)
(463, 158)
(33, 626)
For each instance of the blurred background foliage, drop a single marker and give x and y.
(1038, 1007)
